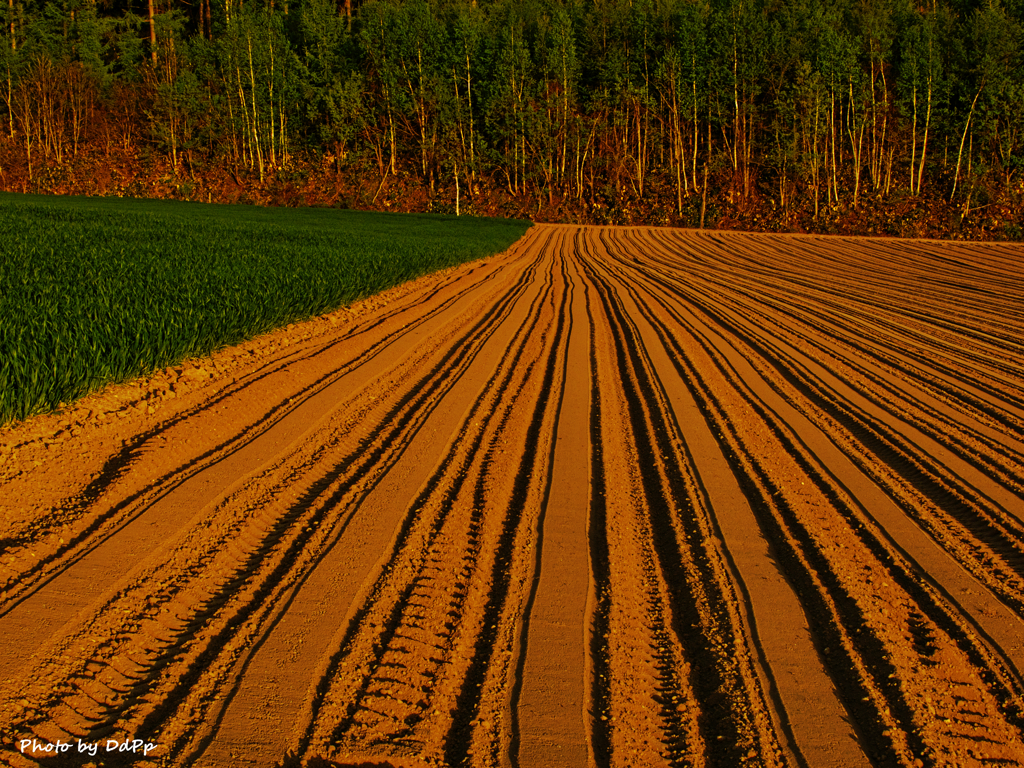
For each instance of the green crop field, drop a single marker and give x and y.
(94, 290)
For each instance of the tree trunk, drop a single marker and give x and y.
(913, 138)
(469, 101)
(960, 154)
(255, 115)
(856, 146)
(924, 144)
(152, 31)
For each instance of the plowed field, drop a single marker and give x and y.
(617, 497)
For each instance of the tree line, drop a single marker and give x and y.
(819, 104)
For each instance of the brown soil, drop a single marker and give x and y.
(617, 497)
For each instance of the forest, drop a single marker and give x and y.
(827, 116)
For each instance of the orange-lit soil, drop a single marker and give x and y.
(617, 497)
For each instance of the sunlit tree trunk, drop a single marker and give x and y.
(472, 136)
(152, 30)
(257, 144)
(924, 143)
(28, 123)
(856, 133)
(913, 137)
(963, 138)
(248, 151)
(271, 123)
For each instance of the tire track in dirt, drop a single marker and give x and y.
(947, 493)
(850, 322)
(434, 646)
(550, 708)
(814, 379)
(618, 497)
(869, 356)
(86, 517)
(113, 496)
(255, 539)
(809, 723)
(883, 332)
(310, 613)
(1006, 689)
(708, 695)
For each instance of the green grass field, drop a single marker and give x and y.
(94, 290)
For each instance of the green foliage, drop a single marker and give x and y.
(553, 97)
(997, 63)
(99, 290)
(331, 88)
